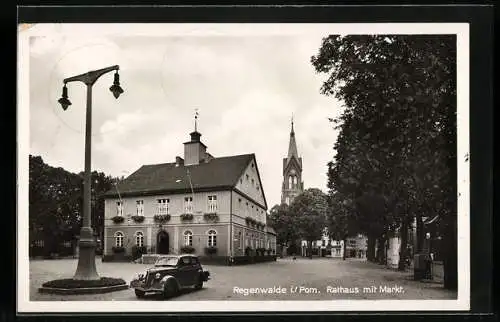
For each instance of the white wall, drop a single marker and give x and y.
(253, 189)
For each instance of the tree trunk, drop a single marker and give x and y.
(309, 242)
(450, 258)
(380, 250)
(345, 248)
(370, 251)
(403, 254)
(420, 233)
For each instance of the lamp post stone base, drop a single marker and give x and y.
(86, 269)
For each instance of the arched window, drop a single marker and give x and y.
(290, 182)
(139, 239)
(119, 239)
(188, 238)
(212, 238)
(295, 181)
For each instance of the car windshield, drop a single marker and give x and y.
(167, 261)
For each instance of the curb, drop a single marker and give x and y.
(83, 290)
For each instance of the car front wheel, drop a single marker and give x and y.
(139, 293)
(199, 284)
(170, 289)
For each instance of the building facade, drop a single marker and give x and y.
(355, 247)
(198, 204)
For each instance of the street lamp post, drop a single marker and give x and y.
(86, 269)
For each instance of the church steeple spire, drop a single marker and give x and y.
(292, 171)
(292, 145)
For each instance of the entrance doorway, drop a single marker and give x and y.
(162, 243)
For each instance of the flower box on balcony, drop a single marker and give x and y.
(118, 219)
(161, 218)
(211, 216)
(138, 218)
(186, 217)
(187, 249)
(250, 221)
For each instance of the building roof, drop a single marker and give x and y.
(218, 173)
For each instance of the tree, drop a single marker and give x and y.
(54, 204)
(310, 211)
(283, 223)
(56, 200)
(398, 131)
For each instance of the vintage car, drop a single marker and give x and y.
(170, 274)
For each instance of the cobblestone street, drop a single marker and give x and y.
(313, 279)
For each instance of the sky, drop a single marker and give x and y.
(245, 86)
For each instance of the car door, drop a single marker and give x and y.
(184, 271)
(194, 268)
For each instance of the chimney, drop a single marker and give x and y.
(179, 161)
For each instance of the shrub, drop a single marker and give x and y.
(118, 219)
(211, 216)
(137, 218)
(269, 251)
(248, 251)
(187, 249)
(118, 250)
(71, 283)
(210, 250)
(260, 251)
(161, 218)
(138, 251)
(186, 217)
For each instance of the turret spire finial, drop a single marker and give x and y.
(196, 120)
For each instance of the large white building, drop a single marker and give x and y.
(210, 206)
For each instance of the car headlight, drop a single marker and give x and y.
(157, 276)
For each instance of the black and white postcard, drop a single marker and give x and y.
(243, 167)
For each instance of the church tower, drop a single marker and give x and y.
(292, 172)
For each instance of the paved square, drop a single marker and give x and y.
(311, 279)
